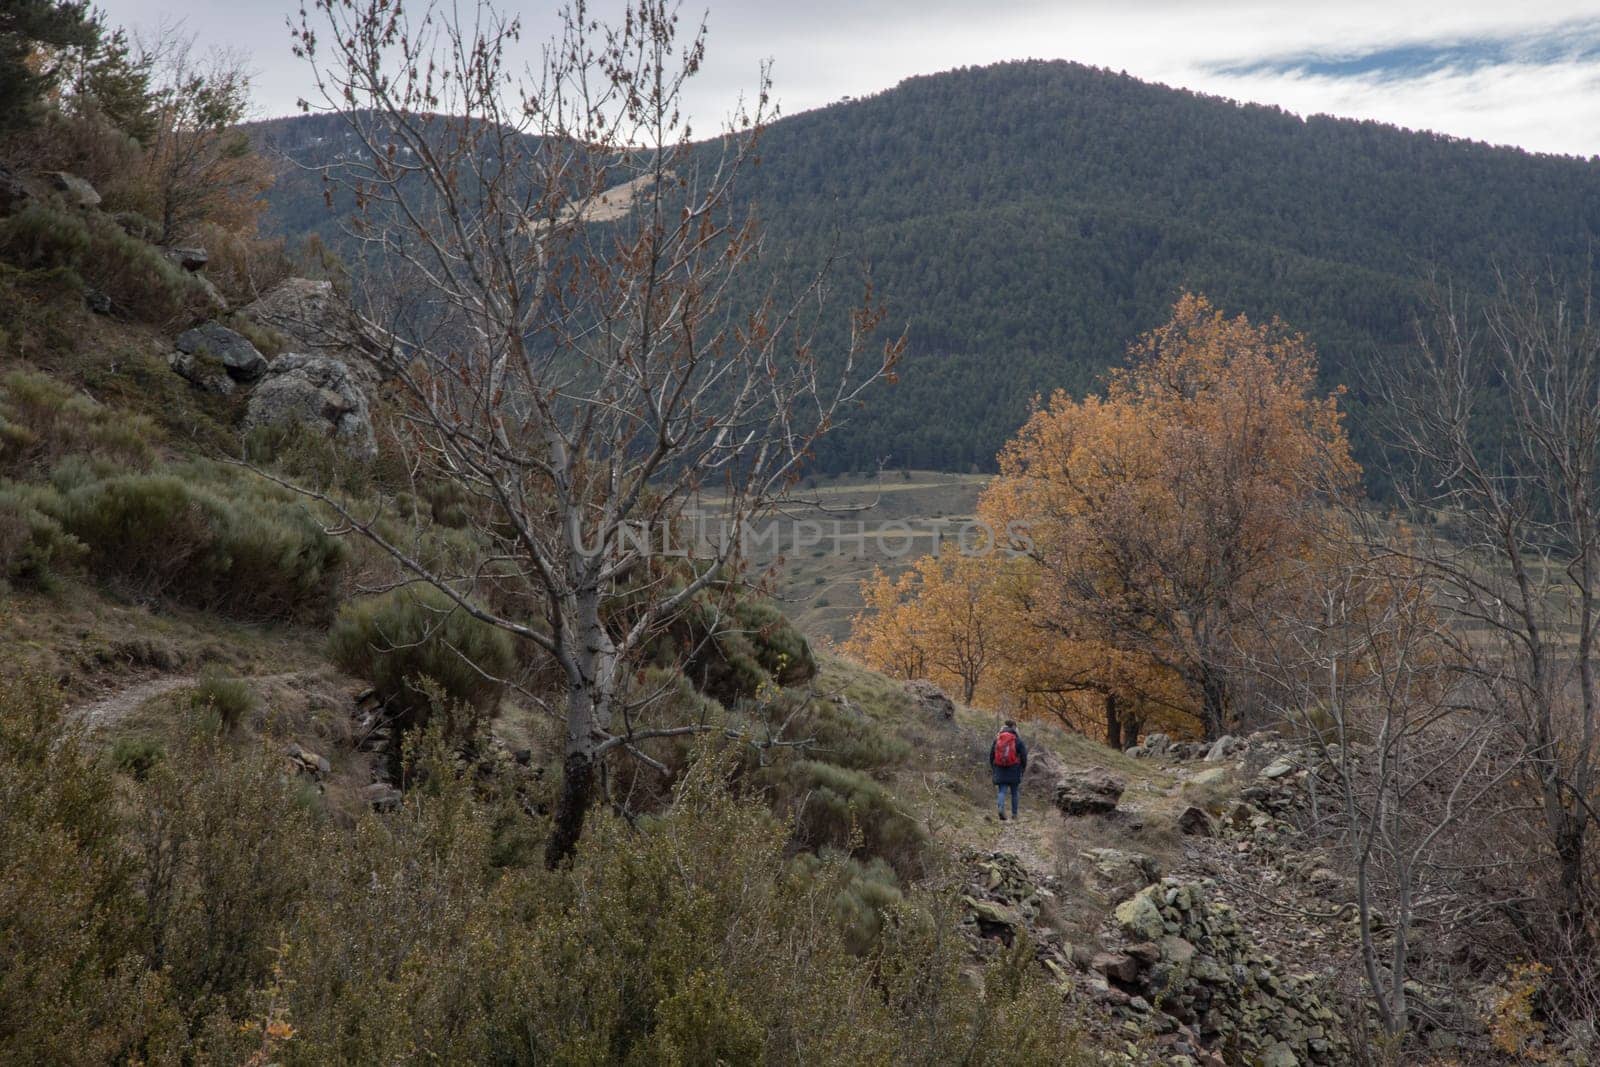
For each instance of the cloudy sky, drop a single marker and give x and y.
(1524, 73)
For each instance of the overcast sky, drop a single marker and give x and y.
(1523, 73)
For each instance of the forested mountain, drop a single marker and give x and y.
(1026, 220)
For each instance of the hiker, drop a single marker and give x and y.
(1008, 759)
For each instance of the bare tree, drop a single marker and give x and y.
(200, 165)
(1375, 687)
(571, 327)
(1498, 413)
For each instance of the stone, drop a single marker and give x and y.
(1117, 966)
(1140, 917)
(1117, 875)
(1209, 776)
(382, 796)
(239, 357)
(74, 190)
(202, 372)
(1089, 792)
(931, 701)
(1157, 744)
(317, 392)
(1194, 822)
(318, 321)
(97, 301)
(191, 259)
(1224, 747)
(307, 761)
(1281, 767)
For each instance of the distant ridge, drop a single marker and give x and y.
(1027, 219)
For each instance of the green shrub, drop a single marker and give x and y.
(733, 650)
(34, 549)
(229, 699)
(868, 894)
(141, 282)
(406, 639)
(205, 915)
(251, 555)
(135, 756)
(839, 808)
(42, 421)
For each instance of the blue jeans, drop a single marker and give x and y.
(1000, 796)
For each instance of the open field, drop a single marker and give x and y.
(840, 528)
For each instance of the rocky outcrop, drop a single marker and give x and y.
(239, 358)
(190, 259)
(1196, 964)
(317, 392)
(318, 321)
(931, 701)
(1090, 792)
(202, 372)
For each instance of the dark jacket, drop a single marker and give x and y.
(1010, 775)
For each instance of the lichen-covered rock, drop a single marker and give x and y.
(237, 355)
(317, 392)
(1194, 822)
(1200, 967)
(1140, 916)
(1117, 874)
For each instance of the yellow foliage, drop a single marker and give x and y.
(1148, 529)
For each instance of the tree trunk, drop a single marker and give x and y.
(1114, 736)
(577, 790)
(1213, 704)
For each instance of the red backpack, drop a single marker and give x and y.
(1005, 749)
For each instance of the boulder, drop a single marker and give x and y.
(1194, 822)
(317, 392)
(1140, 917)
(1281, 767)
(239, 357)
(931, 701)
(1090, 792)
(190, 259)
(317, 320)
(382, 796)
(1117, 966)
(74, 190)
(1117, 874)
(202, 372)
(1225, 746)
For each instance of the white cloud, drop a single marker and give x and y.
(828, 49)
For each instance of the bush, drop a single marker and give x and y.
(42, 421)
(178, 920)
(136, 756)
(843, 809)
(734, 650)
(253, 556)
(411, 637)
(141, 282)
(229, 699)
(34, 549)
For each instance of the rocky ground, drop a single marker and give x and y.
(1236, 944)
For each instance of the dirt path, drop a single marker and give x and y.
(118, 705)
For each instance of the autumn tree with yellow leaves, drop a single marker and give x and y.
(1163, 521)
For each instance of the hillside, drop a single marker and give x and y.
(1025, 219)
